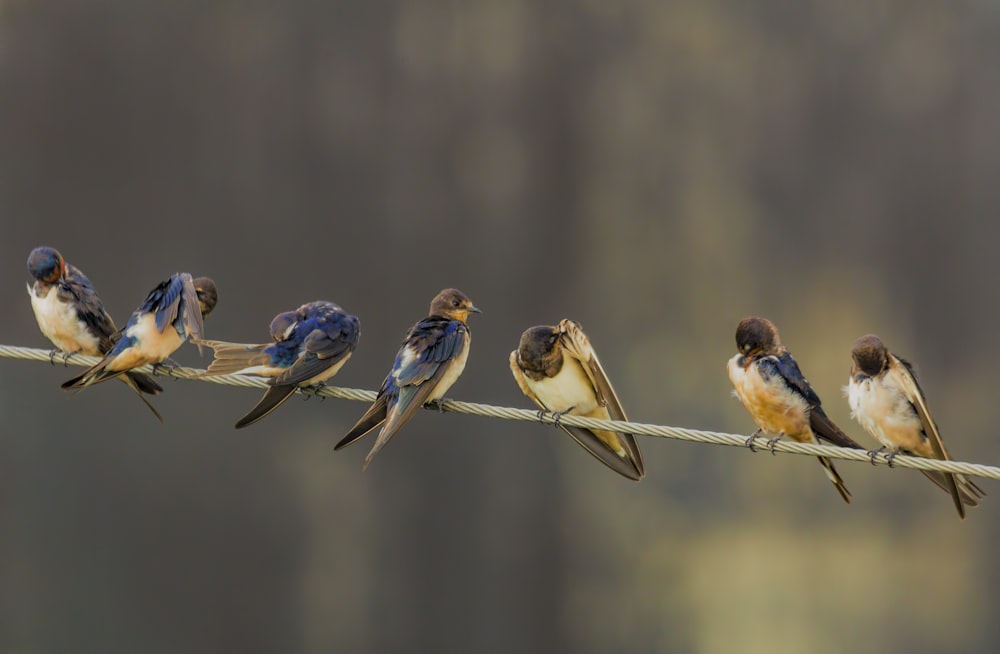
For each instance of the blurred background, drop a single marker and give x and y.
(656, 170)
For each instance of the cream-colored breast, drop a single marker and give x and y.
(453, 373)
(150, 347)
(59, 323)
(883, 410)
(772, 404)
(570, 388)
(334, 369)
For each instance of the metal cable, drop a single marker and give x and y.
(508, 413)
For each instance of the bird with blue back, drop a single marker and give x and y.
(310, 345)
(429, 362)
(172, 313)
(769, 384)
(71, 315)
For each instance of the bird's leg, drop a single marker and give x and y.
(317, 388)
(890, 457)
(557, 416)
(52, 355)
(541, 415)
(165, 367)
(772, 441)
(749, 441)
(873, 454)
(436, 404)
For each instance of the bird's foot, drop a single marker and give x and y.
(890, 457)
(557, 416)
(66, 356)
(771, 443)
(873, 454)
(437, 404)
(749, 441)
(317, 388)
(166, 367)
(541, 415)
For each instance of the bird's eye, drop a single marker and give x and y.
(455, 303)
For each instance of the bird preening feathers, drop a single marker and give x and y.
(556, 367)
(310, 345)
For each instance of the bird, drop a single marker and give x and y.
(310, 345)
(557, 368)
(170, 314)
(887, 401)
(430, 360)
(71, 315)
(769, 384)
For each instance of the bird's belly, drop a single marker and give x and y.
(570, 388)
(774, 406)
(886, 414)
(452, 374)
(59, 323)
(150, 345)
(333, 370)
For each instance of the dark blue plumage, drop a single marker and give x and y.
(430, 360)
(785, 367)
(171, 313)
(311, 344)
(72, 316)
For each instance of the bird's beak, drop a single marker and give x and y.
(474, 309)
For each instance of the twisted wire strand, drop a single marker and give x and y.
(532, 415)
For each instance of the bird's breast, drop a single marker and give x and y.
(59, 323)
(454, 371)
(329, 372)
(149, 346)
(772, 404)
(569, 388)
(883, 410)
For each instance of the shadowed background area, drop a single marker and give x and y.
(655, 170)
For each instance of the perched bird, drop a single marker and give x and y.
(431, 359)
(779, 399)
(887, 400)
(71, 315)
(311, 344)
(170, 314)
(556, 367)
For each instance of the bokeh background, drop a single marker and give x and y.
(654, 169)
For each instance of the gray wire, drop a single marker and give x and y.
(508, 413)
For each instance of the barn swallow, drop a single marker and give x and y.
(170, 314)
(72, 316)
(311, 344)
(557, 368)
(887, 400)
(779, 399)
(430, 360)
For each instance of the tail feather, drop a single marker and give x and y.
(93, 375)
(825, 429)
(129, 380)
(273, 398)
(374, 416)
(144, 383)
(831, 472)
(963, 490)
(233, 357)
